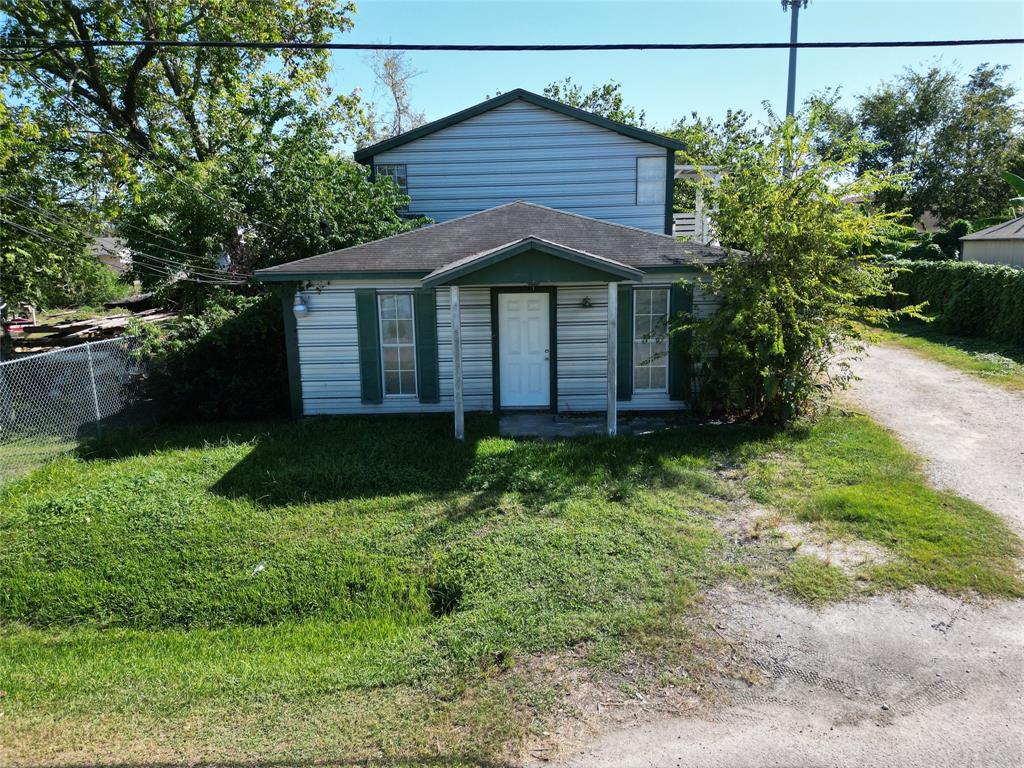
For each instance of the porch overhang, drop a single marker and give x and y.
(531, 261)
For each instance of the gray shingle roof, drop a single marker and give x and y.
(429, 248)
(1008, 230)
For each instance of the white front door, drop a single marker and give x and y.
(523, 350)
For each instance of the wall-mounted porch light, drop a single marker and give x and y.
(299, 306)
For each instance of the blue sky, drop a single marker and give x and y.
(668, 85)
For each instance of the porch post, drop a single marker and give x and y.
(698, 217)
(613, 348)
(460, 418)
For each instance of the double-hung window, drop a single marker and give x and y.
(397, 343)
(650, 180)
(397, 173)
(650, 339)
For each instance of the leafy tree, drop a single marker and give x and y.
(208, 158)
(273, 199)
(181, 103)
(605, 100)
(44, 255)
(804, 282)
(708, 144)
(953, 138)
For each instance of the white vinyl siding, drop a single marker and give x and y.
(582, 347)
(520, 151)
(650, 180)
(329, 350)
(650, 340)
(1007, 252)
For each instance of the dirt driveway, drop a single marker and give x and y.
(917, 679)
(914, 681)
(970, 433)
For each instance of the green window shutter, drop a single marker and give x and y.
(624, 387)
(369, 345)
(425, 312)
(680, 301)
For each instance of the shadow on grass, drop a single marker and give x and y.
(973, 346)
(325, 459)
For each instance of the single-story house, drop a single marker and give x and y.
(545, 285)
(998, 244)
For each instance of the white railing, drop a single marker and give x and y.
(691, 226)
(694, 225)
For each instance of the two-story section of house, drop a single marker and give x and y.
(520, 146)
(546, 283)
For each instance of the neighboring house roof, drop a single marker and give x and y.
(366, 154)
(1008, 230)
(445, 245)
(111, 251)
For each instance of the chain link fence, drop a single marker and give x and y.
(50, 401)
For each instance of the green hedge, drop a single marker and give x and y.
(966, 298)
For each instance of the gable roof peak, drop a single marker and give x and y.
(366, 154)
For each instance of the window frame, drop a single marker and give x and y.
(664, 359)
(403, 185)
(380, 338)
(661, 182)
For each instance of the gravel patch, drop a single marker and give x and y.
(912, 680)
(971, 434)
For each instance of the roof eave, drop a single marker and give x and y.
(265, 276)
(366, 154)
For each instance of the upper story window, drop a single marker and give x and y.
(650, 180)
(395, 172)
(650, 339)
(397, 343)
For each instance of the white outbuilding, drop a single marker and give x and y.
(998, 244)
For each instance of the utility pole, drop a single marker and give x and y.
(795, 6)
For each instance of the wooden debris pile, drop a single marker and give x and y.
(51, 335)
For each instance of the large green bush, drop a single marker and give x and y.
(226, 362)
(966, 298)
(798, 292)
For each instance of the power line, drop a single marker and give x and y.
(207, 275)
(31, 231)
(64, 221)
(69, 223)
(43, 46)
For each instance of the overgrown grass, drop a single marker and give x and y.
(853, 479)
(201, 569)
(365, 589)
(992, 361)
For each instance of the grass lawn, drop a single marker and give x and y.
(368, 589)
(992, 361)
(18, 459)
(850, 479)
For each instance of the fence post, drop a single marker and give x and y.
(92, 383)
